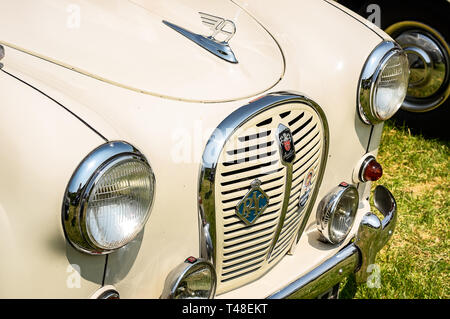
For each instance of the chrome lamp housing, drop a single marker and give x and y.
(108, 199)
(383, 83)
(336, 213)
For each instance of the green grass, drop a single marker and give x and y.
(415, 263)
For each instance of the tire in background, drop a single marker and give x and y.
(433, 14)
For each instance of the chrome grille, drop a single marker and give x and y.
(242, 252)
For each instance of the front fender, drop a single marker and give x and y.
(41, 144)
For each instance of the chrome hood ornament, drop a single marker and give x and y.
(216, 43)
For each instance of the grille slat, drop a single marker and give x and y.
(234, 249)
(312, 132)
(241, 262)
(270, 185)
(242, 272)
(231, 231)
(250, 153)
(250, 159)
(250, 169)
(301, 127)
(249, 149)
(244, 178)
(254, 233)
(234, 222)
(250, 251)
(237, 268)
(265, 179)
(255, 136)
(308, 162)
(242, 258)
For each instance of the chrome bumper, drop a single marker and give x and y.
(372, 235)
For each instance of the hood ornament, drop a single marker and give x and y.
(216, 43)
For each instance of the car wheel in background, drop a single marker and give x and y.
(422, 29)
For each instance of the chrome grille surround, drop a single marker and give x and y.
(244, 148)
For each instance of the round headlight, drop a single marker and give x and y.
(336, 213)
(384, 83)
(108, 199)
(193, 279)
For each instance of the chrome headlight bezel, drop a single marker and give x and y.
(327, 210)
(81, 184)
(372, 69)
(178, 278)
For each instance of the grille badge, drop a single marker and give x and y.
(253, 204)
(286, 143)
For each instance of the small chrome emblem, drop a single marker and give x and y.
(253, 204)
(219, 26)
(286, 142)
(306, 188)
(216, 43)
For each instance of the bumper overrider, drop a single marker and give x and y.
(355, 258)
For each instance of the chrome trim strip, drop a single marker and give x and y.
(322, 278)
(214, 146)
(284, 208)
(79, 186)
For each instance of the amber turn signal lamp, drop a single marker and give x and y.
(371, 170)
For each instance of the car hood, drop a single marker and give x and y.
(126, 44)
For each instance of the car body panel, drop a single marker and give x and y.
(41, 144)
(128, 45)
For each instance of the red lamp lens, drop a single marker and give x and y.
(373, 171)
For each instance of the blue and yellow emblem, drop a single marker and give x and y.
(253, 204)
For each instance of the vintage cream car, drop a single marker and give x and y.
(191, 149)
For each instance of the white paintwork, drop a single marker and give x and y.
(324, 49)
(127, 44)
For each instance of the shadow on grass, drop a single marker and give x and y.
(430, 125)
(348, 290)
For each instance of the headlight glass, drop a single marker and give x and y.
(117, 207)
(384, 83)
(193, 279)
(391, 86)
(108, 199)
(342, 219)
(197, 284)
(336, 213)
